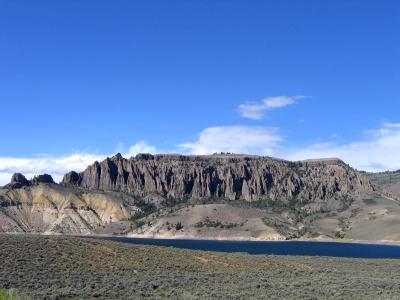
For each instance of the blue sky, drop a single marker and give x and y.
(80, 80)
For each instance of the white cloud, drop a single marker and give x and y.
(235, 139)
(256, 110)
(58, 166)
(379, 151)
(333, 136)
(140, 147)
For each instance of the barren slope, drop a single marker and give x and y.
(51, 208)
(215, 197)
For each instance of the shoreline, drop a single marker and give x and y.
(96, 268)
(221, 239)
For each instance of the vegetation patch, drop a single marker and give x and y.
(93, 268)
(12, 294)
(145, 208)
(369, 201)
(216, 224)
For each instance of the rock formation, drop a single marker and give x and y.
(17, 181)
(54, 209)
(229, 176)
(45, 178)
(144, 195)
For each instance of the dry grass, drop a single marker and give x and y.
(73, 268)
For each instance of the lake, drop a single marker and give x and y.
(274, 247)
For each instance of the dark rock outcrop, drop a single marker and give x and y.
(230, 176)
(44, 178)
(72, 178)
(18, 181)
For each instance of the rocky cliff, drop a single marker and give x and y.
(18, 180)
(228, 176)
(150, 195)
(54, 209)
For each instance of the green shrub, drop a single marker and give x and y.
(12, 295)
(339, 234)
(178, 226)
(172, 201)
(146, 208)
(138, 223)
(215, 224)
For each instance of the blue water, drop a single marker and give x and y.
(276, 248)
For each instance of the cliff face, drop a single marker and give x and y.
(50, 209)
(18, 181)
(128, 196)
(230, 176)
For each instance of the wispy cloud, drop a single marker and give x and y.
(139, 147)
(57, 166)
(235, 139)
(378, 151)
(257, 110)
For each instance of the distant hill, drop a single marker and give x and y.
(222, 176)
(389, 181)
(222, 196)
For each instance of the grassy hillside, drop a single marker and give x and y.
(389, 181)
(85, 268)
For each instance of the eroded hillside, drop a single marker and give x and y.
(223, 176)
(218, 197)
(51, 209)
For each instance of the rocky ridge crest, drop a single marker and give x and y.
(222, 176)
(18, 180)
